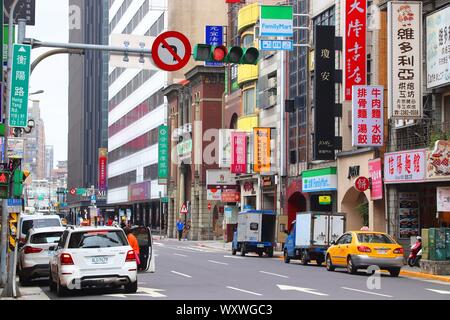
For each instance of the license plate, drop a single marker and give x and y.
(382, 251)
(260, 246)
(99, 260)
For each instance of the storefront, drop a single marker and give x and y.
(141, 209)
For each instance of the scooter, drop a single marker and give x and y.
(416, 254)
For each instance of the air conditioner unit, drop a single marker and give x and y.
(272, 83)
(272, 100)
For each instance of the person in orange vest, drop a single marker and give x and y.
(133, 243)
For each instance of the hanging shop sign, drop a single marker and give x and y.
(214, 194)
(214, 37)
(238, 152)
(217, 177)
(225, 147)
(324, 92)
(261, 151)
(355, 45)
(102, 169)
(408, 214)
(362, 184)
(276, 21)
(376, 191)
(405, 59)
(139, 191)
(231, 196)
(367, 116)
(438, 48)
(443, 199)
(438, 161)
(319, 180)
(405, 166)
(163, 154)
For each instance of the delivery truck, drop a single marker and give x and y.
(255, 233)
(311, 234)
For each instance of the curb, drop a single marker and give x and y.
(424, 275)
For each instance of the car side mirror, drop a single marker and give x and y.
(333, 243)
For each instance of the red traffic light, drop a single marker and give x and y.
(219, 53)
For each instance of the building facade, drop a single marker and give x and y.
(48, 161)
(35, 151)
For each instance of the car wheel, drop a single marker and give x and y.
(319, 262)
(51, 283)
(260, 253)
(131, 287)
(394, 272)
(60, 290)
(304, 260)
(351, 268)
(23, 279)
(286, 257)
(243, 250)
(329, 264)
(233, 252)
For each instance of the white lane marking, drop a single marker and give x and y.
(181, 274)
(150, 292)
(274, 274)
(234, 257)
(305, 290)
(217, 262)
(368, 292)
(439, 291)
(159, 243)
(250, 292)
(180, 255)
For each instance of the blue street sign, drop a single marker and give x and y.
(276, 45)
(214, 36)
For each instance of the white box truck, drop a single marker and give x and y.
(311, 234)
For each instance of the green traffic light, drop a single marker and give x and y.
(250, 56)
(202, 52)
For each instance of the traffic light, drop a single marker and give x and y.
(18, 178)
(238, 55)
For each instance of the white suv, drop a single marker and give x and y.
(34, 256)
(89, 257)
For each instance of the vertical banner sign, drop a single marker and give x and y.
(405, 60)
(367, 116)
(355, 45)
(18, 113)
(438, 48)
(214, 37)
(163, 154)
(324, 92)
(261, 150)
(102, 169)
(376, 192)
(238, 152)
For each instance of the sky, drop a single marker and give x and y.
(51, 75)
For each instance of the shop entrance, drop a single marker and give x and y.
(356, 207)
(296, 203)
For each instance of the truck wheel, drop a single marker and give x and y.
(270, 253)
(286, 257)
(319, 262)
(260, 253)
(243, 250)
(304, 260)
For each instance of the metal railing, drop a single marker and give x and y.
(421, 134)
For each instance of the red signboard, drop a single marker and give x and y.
(355, 45)
(232, 1)
(376, 192)
(238, 152)
(139, 191)
(102, 169)
(231, 196)
(73, 191)
(362, 184)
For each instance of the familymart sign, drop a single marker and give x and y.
(276, 21)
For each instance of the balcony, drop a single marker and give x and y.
(422, 134)
(248, 16)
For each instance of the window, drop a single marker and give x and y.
(40, 223)
(122, 180)
(47, 237)
(151, 172)
(97, 239)
(373, 238)
(247, 40)
(146, 140)
(249, 100)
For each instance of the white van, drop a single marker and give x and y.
(35, 221)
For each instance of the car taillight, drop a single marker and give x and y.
(398, 251)
(66, 259)
(28, 250)
(130, 256)
(364, 249)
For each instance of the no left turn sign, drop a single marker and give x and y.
(171, 51)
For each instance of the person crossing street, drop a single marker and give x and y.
(180, 228)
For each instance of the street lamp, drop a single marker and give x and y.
(37, 92)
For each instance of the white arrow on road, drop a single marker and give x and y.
(306, 290)
(439, 291)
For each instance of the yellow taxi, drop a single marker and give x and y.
(361, 249)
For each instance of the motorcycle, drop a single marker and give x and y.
(416, 253)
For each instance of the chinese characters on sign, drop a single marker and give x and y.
(405, 166)
(324, 92)
(355, 45)
(376, 192)
(102, 169)
(163, 154)
(261, 149)
(18, 113)
(214, 37)
(25, 9)
(368, 116)
(362, 184)
(238, 152)
(438, 48)
(405, 60)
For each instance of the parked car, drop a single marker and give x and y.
(88, 257)
(361, 249)
(34, 255)
(35, 221)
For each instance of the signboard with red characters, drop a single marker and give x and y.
(362, 184)
(405, 166)
(376, 190)
(355, 45)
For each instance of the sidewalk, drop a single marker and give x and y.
(28, 293)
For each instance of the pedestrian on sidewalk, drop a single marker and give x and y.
(180, 227)
(134, 244)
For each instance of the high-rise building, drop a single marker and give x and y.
(88, 98)
(48, 161)
(34, 157)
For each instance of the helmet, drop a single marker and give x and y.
(419, 238)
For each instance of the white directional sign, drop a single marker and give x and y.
(132, 41)
(276, 45)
